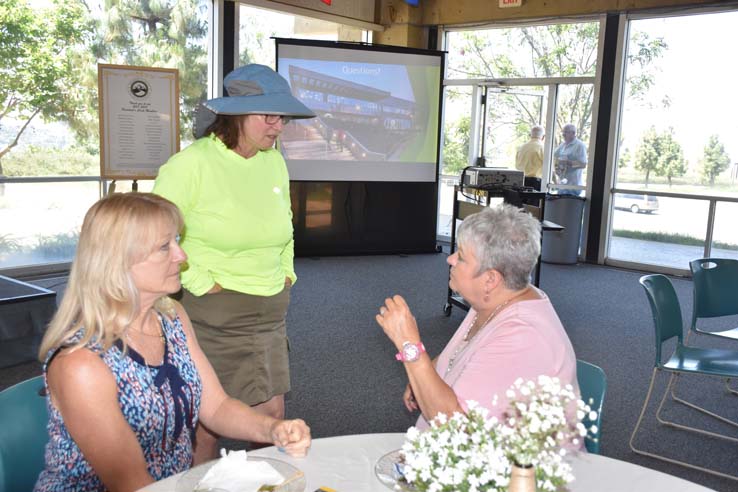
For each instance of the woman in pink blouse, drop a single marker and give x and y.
(512, 330)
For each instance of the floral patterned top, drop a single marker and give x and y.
(161, 404)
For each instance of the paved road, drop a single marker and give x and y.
(653, 253)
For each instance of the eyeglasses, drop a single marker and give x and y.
(273, 119)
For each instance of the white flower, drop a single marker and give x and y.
(475, 452)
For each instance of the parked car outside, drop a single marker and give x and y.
(636, 203)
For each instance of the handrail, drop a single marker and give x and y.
(49, 179)
(669, 194)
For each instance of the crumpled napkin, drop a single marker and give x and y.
(234, 472)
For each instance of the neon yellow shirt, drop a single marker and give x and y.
(238, 219)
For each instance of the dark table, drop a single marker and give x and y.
(25, 311)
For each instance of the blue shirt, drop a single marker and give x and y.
(571, 151)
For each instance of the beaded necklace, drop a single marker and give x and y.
(465, 341)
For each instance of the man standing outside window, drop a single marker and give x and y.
(529, 157)
(570, 158)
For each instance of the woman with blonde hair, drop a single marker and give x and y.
(126, 379)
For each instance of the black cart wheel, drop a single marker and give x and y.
(447, 309)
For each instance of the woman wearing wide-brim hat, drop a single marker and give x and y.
(233, 189)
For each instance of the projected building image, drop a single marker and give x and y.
(355, 122)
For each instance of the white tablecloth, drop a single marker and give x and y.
(346, 464)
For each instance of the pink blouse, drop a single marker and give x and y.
(525, 340)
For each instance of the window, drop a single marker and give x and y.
(544, 51)
(677, 137)
(259, 25)
(49, 139)
(505, 80)
(725, 237)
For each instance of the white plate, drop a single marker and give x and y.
(294, 478)
(388, 473)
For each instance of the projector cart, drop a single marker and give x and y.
(533, 201)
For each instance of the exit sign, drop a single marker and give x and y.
(510, 3)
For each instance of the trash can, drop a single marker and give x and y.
(563, 246)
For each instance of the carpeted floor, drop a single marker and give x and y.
(345, 379)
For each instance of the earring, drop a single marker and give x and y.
(486, 297)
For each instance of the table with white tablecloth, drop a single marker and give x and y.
(346, 464)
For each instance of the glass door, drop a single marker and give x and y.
(510, 114)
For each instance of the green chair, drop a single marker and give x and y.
(715, 294)
(684, 360)
(23, 435)
(715, 287)
(592, 386)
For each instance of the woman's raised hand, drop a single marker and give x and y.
(397, 321)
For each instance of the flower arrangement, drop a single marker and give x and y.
(475, 453)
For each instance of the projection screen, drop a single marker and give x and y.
(378, 111)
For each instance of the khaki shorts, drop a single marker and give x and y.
(245, 339)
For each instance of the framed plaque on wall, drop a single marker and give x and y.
(139, 120)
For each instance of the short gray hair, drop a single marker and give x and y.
(506, 239)
(569, 127)
(536, 131)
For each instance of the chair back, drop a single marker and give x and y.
(23, 434)
(715, 284)
(592, 386)
(666, 310)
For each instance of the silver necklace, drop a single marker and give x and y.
(465, 341)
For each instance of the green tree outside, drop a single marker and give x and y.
(255, 41)
(624, 158)
(715, 160)
(456, 147)
(160, 33)
(647, 154)
(661, 154)
(50, 58)
(39, 55)
(671, 160)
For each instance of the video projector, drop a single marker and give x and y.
(492, 177)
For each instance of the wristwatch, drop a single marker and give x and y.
(410, 352)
